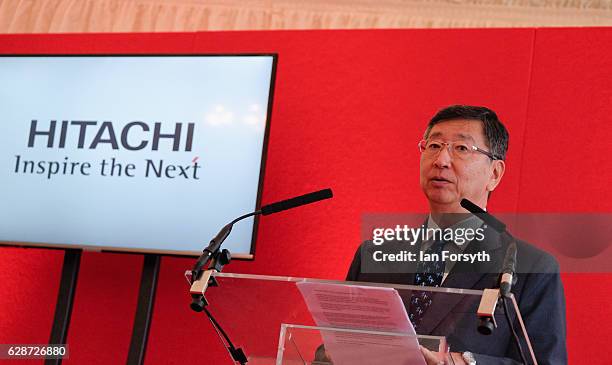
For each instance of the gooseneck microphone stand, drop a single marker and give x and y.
(216, 258)
(490, 297)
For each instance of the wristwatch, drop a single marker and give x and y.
(469, 358)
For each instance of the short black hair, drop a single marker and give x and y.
(496, 134)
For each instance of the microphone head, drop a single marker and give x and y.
(483, 215)
(466, 204)
(297, 201)
(324, 194)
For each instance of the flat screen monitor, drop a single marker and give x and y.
(149, 154)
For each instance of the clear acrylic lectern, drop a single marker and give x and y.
(267, 317)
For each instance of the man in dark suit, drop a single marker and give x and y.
(463, 156)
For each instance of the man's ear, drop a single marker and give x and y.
(498, 167)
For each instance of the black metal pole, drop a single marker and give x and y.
(65, 298)
(144, 309)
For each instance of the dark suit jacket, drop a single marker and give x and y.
(538, 292)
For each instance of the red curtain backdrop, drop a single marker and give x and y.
(349, 109)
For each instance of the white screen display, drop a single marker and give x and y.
(135, 153)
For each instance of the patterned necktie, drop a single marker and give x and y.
(429, 273)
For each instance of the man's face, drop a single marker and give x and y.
(446, 180)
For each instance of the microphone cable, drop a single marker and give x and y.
(236, 353)
(514, 334)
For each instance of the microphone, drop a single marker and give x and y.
(488, 302)
(200, 280)
(296, 202)
(216, 242)
(509, 264)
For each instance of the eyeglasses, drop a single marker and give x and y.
(459, 149)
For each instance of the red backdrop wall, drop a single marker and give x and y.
(349, 108)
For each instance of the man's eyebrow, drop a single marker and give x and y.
(456, 136)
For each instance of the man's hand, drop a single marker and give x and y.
(432, 358)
